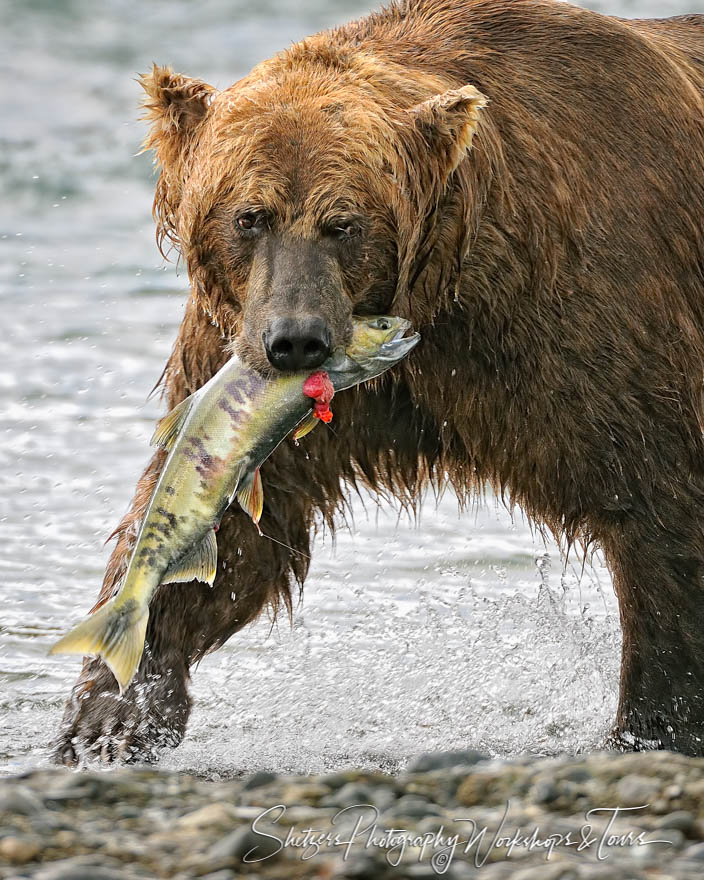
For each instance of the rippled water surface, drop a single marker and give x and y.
(453, 631)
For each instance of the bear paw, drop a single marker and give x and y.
(99, 724)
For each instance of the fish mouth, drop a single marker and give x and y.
(386, 354)
(404, 325)
(399, 345)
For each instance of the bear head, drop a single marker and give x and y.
(311, 190)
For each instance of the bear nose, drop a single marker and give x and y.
(297, 343)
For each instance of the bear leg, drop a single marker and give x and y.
(658, 580)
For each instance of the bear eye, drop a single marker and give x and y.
(251, 222)
(342, 229)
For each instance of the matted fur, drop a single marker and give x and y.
(529, 181)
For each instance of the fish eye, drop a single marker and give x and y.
(384, 324)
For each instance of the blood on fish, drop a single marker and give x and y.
(320, 388)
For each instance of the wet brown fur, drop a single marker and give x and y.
(528, 177)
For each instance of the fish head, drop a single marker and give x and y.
(377, 343)
(370, 333)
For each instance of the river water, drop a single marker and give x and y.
(455, 631)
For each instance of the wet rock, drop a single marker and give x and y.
(258, 780)
(444, 760)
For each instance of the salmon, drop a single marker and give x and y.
(217, 439)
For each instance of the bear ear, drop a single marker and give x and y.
(447, 123)
(174, 105)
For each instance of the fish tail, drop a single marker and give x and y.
(114, 632)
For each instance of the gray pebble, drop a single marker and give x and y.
(685, 869)
(464, 871)
(636, 791)
(77, 869)
(607, 871)
(333, 780)
(383, 798)
(431, 824)
(258, 779)
(21, 801)
(219, 875)
(131, 814)
(361, 868)
(128, 811)
(544, 792)
(349, 795)
(673, 837)
(695, 852)
(550, 872)
(243, 842)
(662, 844)
(680, 819)
(578, 774)
(428, 761)
(75, 787)
(415, 807)
(427, 872)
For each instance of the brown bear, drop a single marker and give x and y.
(521, 179)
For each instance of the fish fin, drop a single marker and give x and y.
(305, 426)
(200, 563)
(250, 495)
(167, 428)
(115, 633)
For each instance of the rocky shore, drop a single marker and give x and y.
(603, 815)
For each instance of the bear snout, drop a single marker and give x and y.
(297, 343)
